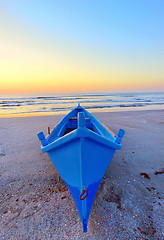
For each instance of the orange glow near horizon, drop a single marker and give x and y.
(29, 72)
(73, 86)
(27, 79)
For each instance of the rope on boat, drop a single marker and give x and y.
(83, 192)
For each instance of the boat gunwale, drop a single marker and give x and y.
(100, 128)
(81, 133)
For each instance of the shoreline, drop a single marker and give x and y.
(35, 203)
(41, 114)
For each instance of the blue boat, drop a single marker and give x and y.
(81, 149)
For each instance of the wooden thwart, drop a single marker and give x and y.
(75, 118)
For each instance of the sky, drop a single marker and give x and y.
(61, 46)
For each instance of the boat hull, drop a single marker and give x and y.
(81, 149)
(84, 162)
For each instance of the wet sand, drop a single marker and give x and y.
(129, 204)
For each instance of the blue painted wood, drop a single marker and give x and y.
(42, 138)
(81, 149)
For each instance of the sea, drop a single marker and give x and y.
(20, 105)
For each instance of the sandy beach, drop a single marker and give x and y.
(129, 204)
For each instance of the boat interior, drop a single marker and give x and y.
(72, 124)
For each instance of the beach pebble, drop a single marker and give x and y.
(2, 150)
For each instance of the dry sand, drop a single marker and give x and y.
(35, 203)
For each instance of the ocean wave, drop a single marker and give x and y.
(61, 109)
(10, 105)
(61, 103)
(60, 98)
(114, 106)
